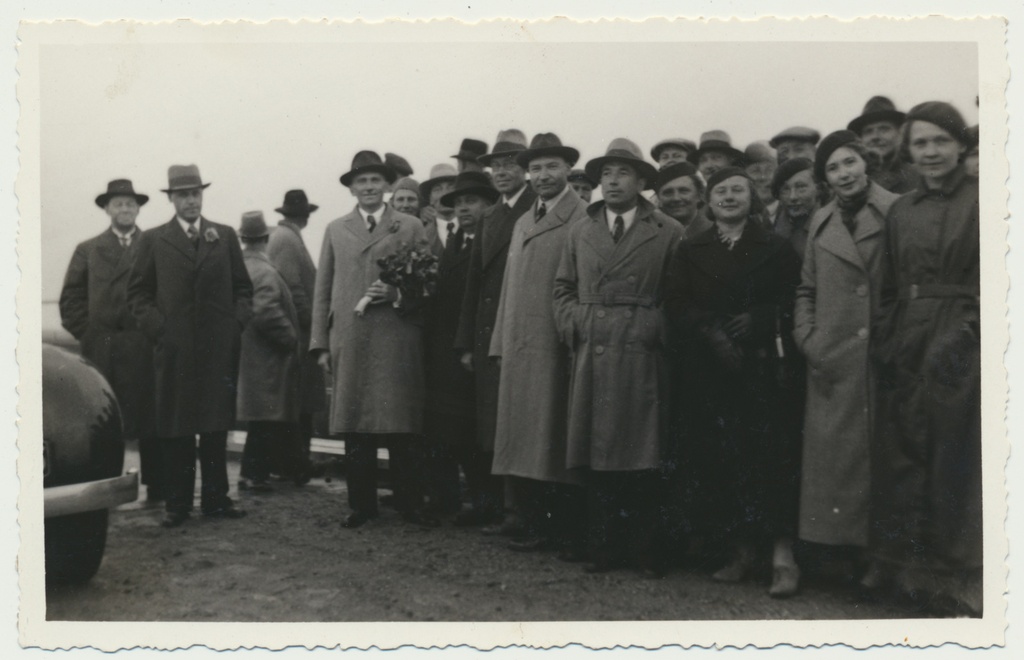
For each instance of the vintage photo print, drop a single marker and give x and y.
(673, 332)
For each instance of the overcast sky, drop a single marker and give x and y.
(259, 119)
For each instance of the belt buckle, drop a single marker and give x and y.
(914, 290)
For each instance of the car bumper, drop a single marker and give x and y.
(90, 495)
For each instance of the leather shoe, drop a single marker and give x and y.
(512, 526)
(473, 518)
(173, 519)
(785, 581)
(357, 519)
(229, 512)
(733, 572)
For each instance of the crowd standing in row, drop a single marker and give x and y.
(727, 353)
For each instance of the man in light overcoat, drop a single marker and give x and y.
(190, 293)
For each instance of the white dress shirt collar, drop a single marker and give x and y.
(185, 225)
(627, 218)
(511, 201)
(550, 203)
(442, 228)
(377, 215)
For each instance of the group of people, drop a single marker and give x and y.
(729, 352)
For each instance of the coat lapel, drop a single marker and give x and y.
(205, 246)
(115, 258)
(499, 224)
(835, 238)
(712, 256)
(380, 232)
(176, 237)
(554, 218)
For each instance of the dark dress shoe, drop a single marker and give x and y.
(473, 518)
(531, 544)
(512, 526)
(357, 519)
(229, 512)
(173, 519)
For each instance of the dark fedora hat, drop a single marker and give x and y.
(715, 140)
(547, 144)
(296, 204)
(878, 108)
(689, 146)
(580, 175)
(120, 188)
(472, 183)
(623, 150)
(183, 177)
(471, 149)
(673, 172)
(253, 226)
(509, 142)
(438, 174)
(400, 165)
(365, 162)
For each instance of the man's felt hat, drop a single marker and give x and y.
(296, 205)
(547, 144)
(120, 188)
(471, 149)
(183, 177)
(673, 172)
(689, 146)
(581, 175)
(366, 162)
(759, 152)
(438, 174)
(509, 142)
(622, 150)
(253, 225)
(471, 183)
(400, 165)
(795, 133)
(715, 140)
(878, 108)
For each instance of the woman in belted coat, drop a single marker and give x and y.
(927, 491)
(835, 302)
(730, 298)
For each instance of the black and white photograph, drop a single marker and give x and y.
(552, 328)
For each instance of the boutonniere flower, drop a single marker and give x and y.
(395, 225)
(211, 235)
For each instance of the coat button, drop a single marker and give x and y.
(631, 278)
(601, 313)
(862, 290)
(487, 301)
(863, 333)
(487, 328)
(599, 350)
(629, 313)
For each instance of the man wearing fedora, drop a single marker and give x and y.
(94, 308)
(879, 129)
(191, 294)
(268, 378)
(450, 421)
(469, 151)
(483, 291)
(288, 254)
(608, 310)
(714, 153)
(375, 359)
(530, 436)
(437, 218)
(795, 142)
(582, 184)
(671, 151)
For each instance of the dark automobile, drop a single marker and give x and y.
(83, 459)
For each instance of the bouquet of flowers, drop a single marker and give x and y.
(412, 269)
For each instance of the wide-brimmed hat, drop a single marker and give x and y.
(296, 205)
(797, 133)
(509, 142)
(365, 162)
(580, 175)
(689, 146)
(183, 177)
(438, 174)
(471, 183)
(759, 152)
(787, 171)
(623, 150)
(547, 144)
(471, 149)
(253, 225)
(715, 140)
(673, 172)
(878, 108)
(400, 165)
(120, 188)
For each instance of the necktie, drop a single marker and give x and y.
(468, 243)
(620, 229)
(542, 210)
(125, 241)
(372, 222)
(451, 229)
(193, 235)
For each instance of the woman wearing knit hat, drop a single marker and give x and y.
(837, 298)
(926, 481)
(730, 296)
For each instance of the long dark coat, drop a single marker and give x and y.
(289, 256)
(744, 458)
(94, 308)
(451, 404)
(193, 304)
(533, 397)
(376, 359)
(927, 482)
(837, 298)
(268, 378)
(608, 309)
(480, 306)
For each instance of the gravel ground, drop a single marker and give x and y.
(290, 560)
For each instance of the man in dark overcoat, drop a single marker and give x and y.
(483, 287)
(94, 308)
(191, 295)
(879, 128)
(288, 254)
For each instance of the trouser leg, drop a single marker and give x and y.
(361, 472)
(255, 465)
(150, 464)
(605, 533)
(179, 470)
(214, 465)
(441, 485)
(484, 488)
(568, 523)
(644, 499)
(406, 458)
